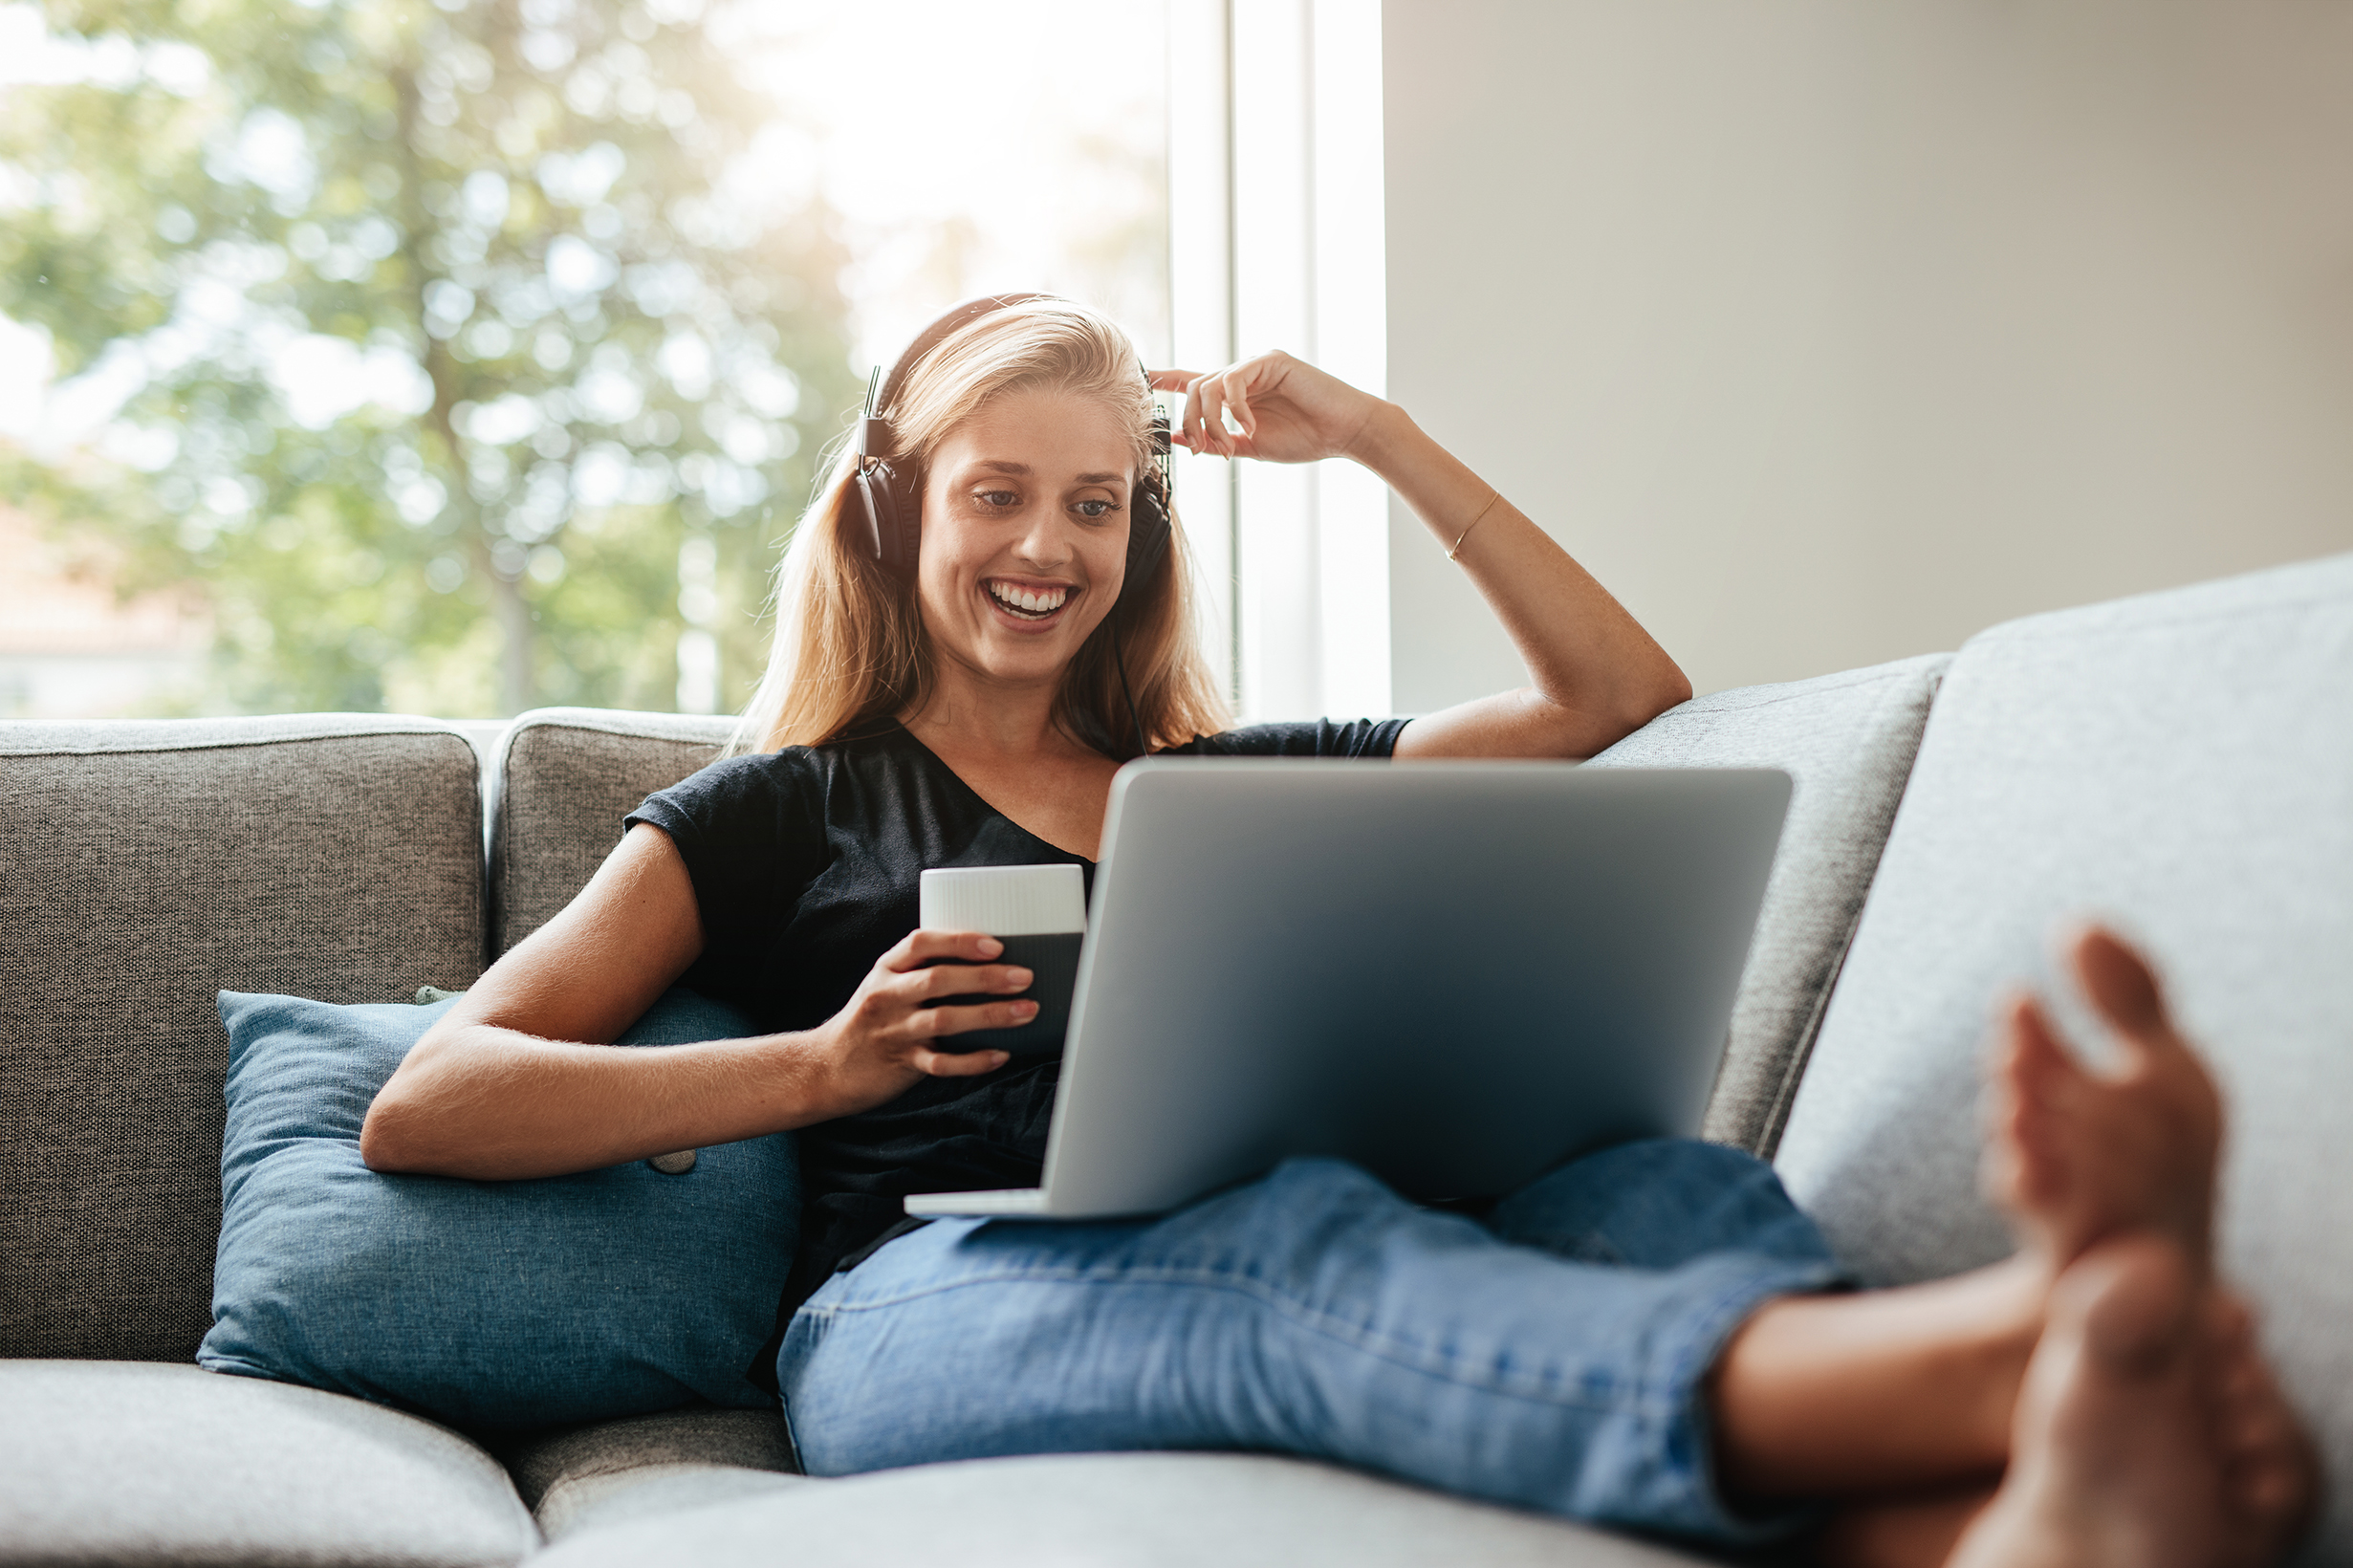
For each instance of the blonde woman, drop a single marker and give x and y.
(1651, 1337)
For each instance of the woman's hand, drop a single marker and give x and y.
(879, 1044)
(1288, 411)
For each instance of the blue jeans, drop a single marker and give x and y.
(1551, 1356)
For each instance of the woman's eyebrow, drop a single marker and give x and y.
(1022, 470)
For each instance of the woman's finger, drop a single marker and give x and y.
(1195, 437)
(918, 949)
(1175, 381)
(1192, 420)
(1189, 417)
(958, 1063)
(1212, 392)
(933, 1022)
(1237, 400)
(964, 979)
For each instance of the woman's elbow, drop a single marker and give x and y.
(380, 1141)
(391, 1136)
(1587, 730)
(385, 1143)
(1661, 687)
(1673, 690)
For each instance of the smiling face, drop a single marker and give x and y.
(1025, 533)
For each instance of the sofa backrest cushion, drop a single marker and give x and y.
(2183, 765)
(1846, 741)
(566, 777)
(143, 867)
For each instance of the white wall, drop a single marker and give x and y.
(1829, 331)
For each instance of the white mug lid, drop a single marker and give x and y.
(1005, 899)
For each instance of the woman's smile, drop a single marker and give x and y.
(1027, 603)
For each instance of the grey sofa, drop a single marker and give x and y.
(2181, 762)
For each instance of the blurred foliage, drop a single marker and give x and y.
(440, 333)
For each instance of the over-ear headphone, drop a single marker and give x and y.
(892, 497)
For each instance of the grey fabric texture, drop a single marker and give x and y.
(566, 777)
(753, 1439)
(142, 867)
(2181, 764)
(597, 1502)
(1846, 741)
(1138, 1511)
(616, 1471)
(114, 1462)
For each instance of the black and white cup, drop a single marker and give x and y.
(1040, 912)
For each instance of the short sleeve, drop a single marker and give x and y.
(1322, 738)
(751, 836)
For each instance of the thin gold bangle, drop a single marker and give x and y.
(1493, 496)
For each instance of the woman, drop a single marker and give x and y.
(1648, 1338)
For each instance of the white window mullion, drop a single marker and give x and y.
(1273, 239)
(1351, 337)
(1200, 296)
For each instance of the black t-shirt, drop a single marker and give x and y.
(806, 865)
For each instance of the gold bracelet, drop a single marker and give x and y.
(1493, 496)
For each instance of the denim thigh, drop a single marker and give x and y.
(1316, 1313)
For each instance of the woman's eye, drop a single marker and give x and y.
(1097, 509)
(997, 498)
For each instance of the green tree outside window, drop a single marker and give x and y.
(457, 352)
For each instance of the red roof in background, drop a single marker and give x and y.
(59, 600)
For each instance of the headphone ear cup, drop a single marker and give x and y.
(893, 529)
(871, 507)
(1147, 534)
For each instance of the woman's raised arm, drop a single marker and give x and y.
(1596, 675)
(516, 1083)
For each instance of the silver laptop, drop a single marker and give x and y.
(1455, 974)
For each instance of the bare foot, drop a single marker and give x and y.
(2121, 1458)
(2271, 1471)
(2075, 1155)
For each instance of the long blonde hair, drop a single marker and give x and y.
(850, 648)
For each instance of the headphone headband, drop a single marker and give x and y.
(875, 424)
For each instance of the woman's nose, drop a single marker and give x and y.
(1045, 542)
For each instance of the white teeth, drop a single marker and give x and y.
(1034, 602)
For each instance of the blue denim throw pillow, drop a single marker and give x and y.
(488, 1305)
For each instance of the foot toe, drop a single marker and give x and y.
(2121, 984)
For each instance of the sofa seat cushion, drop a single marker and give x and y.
(133, 1461)
(1139, 1510)
(618, 1470)
(2181, 764)
(1846, 741)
